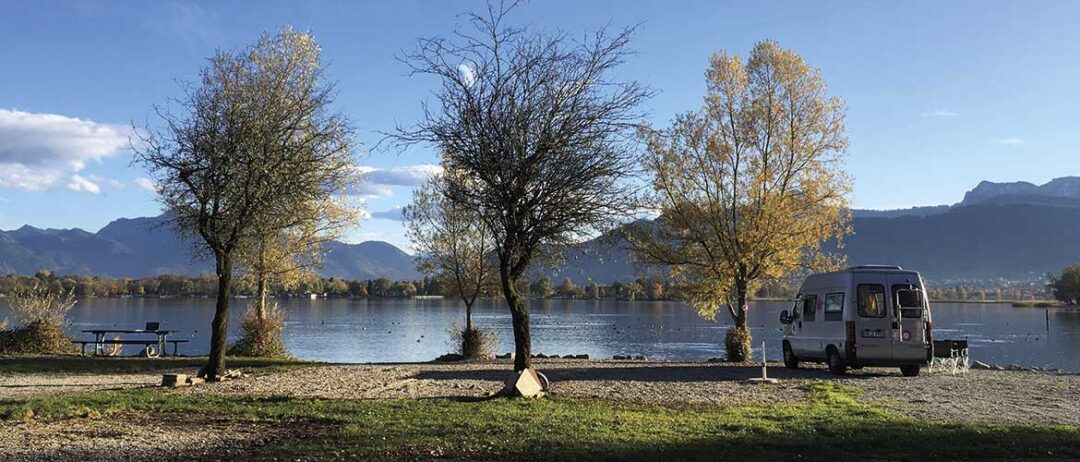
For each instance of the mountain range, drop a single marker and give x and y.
(136, 247)
(1017, 231)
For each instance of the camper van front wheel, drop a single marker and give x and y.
(790, 361)
(836, 365)
(911, 370)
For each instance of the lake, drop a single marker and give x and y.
(400, 330)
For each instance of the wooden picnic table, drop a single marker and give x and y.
(100, 341)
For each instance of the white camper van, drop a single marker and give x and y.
(870, 315)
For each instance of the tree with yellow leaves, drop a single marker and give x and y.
(749, 186)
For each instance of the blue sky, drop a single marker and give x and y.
(940, 95)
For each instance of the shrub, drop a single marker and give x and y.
(1066, 287)
(40, 314)
(260, 336)
(737, 344)
(473, 343)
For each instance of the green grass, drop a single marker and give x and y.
(832, 425)
(129, 364)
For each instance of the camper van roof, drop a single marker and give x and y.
(876, 267)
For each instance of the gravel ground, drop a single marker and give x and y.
(23, 386)
(135, 438)
(978, 396)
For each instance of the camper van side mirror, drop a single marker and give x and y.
(784, 317)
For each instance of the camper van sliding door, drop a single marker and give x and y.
(873, 323)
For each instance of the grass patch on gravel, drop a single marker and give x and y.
(129, 364)
(833, 424)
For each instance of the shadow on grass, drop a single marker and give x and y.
(574, 433)
(833, 425)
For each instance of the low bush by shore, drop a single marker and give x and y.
(1037, 304)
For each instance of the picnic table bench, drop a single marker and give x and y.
(160, 342)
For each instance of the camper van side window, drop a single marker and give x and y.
(809, 307)
(871, 299)
(834, 307)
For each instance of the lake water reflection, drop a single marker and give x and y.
(417, 330)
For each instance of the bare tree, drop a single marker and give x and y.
(542, 131)
(251, 142)
(451, 247)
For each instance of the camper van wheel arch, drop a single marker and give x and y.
(790, 361)
(836, 364)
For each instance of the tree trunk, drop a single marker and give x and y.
(741, 318)
(262, 281)
(262, 297)
(468, 317)
(519, 314)
(220, 326)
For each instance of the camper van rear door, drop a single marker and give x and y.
(908, 307)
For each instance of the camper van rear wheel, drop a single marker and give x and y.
(911, 370)
(790, 361)
(836, 365)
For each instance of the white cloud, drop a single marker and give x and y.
(82, 184)
(111, 183)
(392, 214)
(1010, 141)
(410, 175)
(38, 151)
(940, 113)
(468, 73)
(368, 191)
(145, 184)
